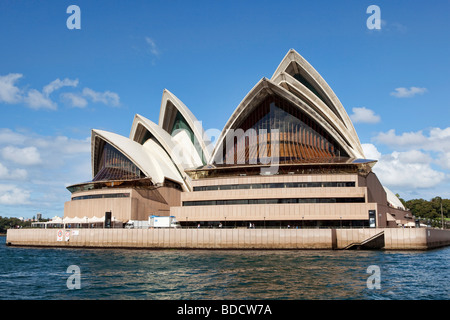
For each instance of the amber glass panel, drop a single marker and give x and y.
(276, 129)
(113, 165)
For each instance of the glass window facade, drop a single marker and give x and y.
(147, 135)
(296, 72)
(277, 185)
(102, 196)
(271, 201)
(113, 165)
(306, 83)
(276, 129)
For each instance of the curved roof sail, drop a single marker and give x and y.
(311, 81)
(183, 155)
(304, 132)
(393, 200)
(175, 117)
(114, 153)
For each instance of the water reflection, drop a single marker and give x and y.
(189, 274)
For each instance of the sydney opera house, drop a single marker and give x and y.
(288, 156)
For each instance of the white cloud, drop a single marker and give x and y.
(7, 136)
(24, 156)
(418, 163)
(9, 93)
(421, 159)
(79, 100)
(47, 163)
(444, 160)
(51, 145)
(407, 93)
(364, 115)
(107, 97)
(37, 100)
(69, 146)
(17, 174)
(75, 100)
(437, 140)
(370, 151)
(409, 170)
(153, 48)
(58, 84)
(406, 139)
(12, 195)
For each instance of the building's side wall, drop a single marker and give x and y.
(402, 217)
(153, 202)
(266, 212)
(138, 206)
(120, 207)
(376, 194)
(304, 211)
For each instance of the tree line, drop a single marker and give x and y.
(8, 223)
(428, 210)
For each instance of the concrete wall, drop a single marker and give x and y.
(395, 238)
(306, 211)
(401, 216)
(120, 207)
(177, 238)
(345, 237)
(138, 206)
(313, 211)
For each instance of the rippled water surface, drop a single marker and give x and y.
(40, 273)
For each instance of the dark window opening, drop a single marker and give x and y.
(271, 201)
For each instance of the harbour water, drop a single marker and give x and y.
(113, 274)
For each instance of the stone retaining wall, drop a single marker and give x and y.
(395, 238)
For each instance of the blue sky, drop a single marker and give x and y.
(57, 84)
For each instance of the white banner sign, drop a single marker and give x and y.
(59, 235)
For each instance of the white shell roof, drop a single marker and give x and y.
(346, 126)
(393, 200)
(192, 121)
(151, 159)
(182, 153)
(336, 122)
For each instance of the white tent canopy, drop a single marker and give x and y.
(75, 220)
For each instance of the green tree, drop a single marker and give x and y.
(401, 199)
(7, 223)
(429, 209)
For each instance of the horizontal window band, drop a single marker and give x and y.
(271, 201)
(345, 184)
(102, 196)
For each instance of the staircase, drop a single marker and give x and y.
(374, 242)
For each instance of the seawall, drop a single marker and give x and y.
(391, 238)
